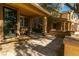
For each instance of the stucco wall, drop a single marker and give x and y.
(1, 22)
(71, 47)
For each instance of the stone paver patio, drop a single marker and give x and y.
(35, 46)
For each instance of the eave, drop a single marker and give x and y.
(29, 9)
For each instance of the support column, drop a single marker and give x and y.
(64, 26)
(71, 26)
(1, 24)
(45, 25)
(68, 26)
(18, 22)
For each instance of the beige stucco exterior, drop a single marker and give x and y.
(71, 47)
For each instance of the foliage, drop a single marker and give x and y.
(53, 8)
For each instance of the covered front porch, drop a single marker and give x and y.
(22, 19)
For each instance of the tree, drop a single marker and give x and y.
(74, 7)
(53, 8)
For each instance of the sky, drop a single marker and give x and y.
(66, 8)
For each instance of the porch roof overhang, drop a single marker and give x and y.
(30, 9)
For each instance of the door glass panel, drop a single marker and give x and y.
(9, 23)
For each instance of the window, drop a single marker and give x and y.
(23, 25)
(24, 21)
(10, 16)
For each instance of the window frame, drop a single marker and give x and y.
(4, 20)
